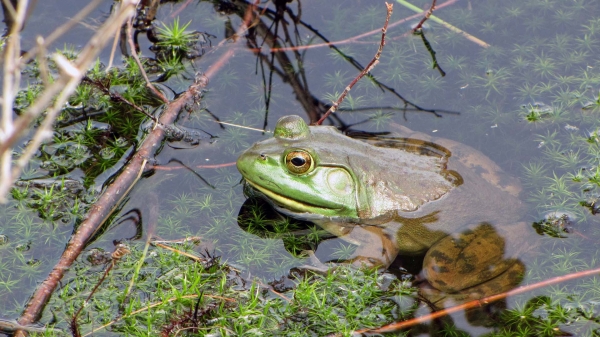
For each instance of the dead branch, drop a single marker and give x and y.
(427, 15)
(478, 303)
(367, 69)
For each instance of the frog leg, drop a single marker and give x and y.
(472, 264)
(376, 245)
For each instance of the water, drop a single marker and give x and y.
(540, 65)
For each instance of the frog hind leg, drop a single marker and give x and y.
(471, 265)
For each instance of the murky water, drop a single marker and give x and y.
(521, 86)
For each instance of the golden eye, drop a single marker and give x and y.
(298, 162)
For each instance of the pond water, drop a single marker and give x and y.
(521, 86)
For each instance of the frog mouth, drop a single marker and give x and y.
(292, 205)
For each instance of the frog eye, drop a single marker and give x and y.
(298, 162)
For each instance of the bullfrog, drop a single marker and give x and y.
(408, 194)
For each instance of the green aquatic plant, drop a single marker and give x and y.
(535, 173)
(593, 27)
(534, 24)
(175, 38)
(514, 12)
(455, 62)
(586, 43)
(566, 97)
(172, 66)
(228, 78)
(352, 102)
(529, 92)
(398, 75)
(569, 159)
(69, 52)
(342, 55)
(343, 251)
(380, 119)
(494, 81)
(561, 44)
(559, 186)
(369, 18)
(337, 80)
(573, 58)
(564, 17)
(544, 66)
(432, 82)
(588, 79)
(236, 138)
(488, 27)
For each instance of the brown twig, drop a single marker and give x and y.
(427, 15)
(478, 303)
(367, 69)
(139, 63)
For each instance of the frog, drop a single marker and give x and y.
(403, 194)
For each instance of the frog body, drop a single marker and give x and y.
(408, 194)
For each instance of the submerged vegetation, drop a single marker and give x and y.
(530, 100)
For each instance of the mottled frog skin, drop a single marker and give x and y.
(409, 194)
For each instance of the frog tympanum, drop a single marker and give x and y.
(397, 195)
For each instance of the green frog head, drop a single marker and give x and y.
(317, 172)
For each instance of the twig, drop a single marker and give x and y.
(444, 23)
(241, 126)
(478, 303)
(11, 82)
(113, 51)
(353, 39)
(367, 69)
(427, 15)
(137, 60)
(436, 65)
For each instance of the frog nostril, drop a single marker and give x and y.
(263, 156)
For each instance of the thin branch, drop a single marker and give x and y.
(478, 303)
(429, 48)
(139, 63)
(354, 39)
(427, 15)
(367, 69)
